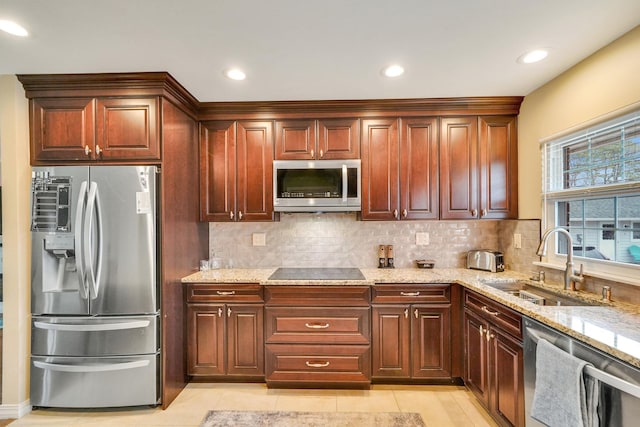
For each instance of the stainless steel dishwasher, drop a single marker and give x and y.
(620, 382)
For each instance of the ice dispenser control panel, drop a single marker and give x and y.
(51, 202)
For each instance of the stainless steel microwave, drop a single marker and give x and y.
(316, 185)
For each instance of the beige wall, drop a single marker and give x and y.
(606, 81)
(16, 179)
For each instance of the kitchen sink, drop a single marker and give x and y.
(538, 295)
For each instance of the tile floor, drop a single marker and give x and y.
(440, 406)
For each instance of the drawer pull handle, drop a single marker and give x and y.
(486, 310)
(317, 364)
(409, 294)
(226, 292)
(317, 325)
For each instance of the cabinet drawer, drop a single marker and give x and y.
(318, 363)
(232, 292)
(421, 293)
(317, 325)
(318, 295)
(494, 312)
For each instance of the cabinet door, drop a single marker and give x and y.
(507, 379)
(245, 340)
(217, 171)
(419, 169)
(205, 345)
(295, 140)
(127, 129)
(431, 341)
(498, 152)
(476, 356)
(380, 169)
(338, 139)
(255, 171)
(458, 168)
(390, 341)
(62, 129)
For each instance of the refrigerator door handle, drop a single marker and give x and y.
(93, 209)
(92, 328)
(77, 235)
(91, 368)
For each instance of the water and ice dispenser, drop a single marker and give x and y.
(51, 217)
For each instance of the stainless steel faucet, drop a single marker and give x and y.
(570, 278)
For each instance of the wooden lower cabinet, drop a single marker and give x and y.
(411, 341)
(494, 360)
(225, 339)
(317, 336)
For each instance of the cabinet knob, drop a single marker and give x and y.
(395, 213)
(87, 151)
(404, 213)
(406, 313)
(231, 215)
(482, 331)
(321, 154)
(220, 312)
(415, 313)
(483, 212)
(474, 212)
(228, 311)
(313, 153)
(98, 150)
(239, 215)
(489, 336)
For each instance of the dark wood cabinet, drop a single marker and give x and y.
(236, 172)
(411, 340)
(89, 129)
(400, 169)
(324, 139)
(478, 167)
(317, 335)
(225, 331)
(494, 358)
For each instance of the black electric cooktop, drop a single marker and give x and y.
(284, 273)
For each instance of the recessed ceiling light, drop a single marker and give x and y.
(394, 70)
(13, 28)
(533, 56)
(235, 74)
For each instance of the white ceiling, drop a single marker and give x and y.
(316, 49)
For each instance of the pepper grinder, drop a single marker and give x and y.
(390, 256)
(382, 257)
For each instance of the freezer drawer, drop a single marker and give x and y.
(94, 336)
(88, 382)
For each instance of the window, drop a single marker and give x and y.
(592, 189)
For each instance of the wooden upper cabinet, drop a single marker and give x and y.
(380, 165)
(419, 168)
(217, 171)
(478, 167)
(127, 128)
(498, 154)
(458, 168)
(326, 139)
(236, 171)
(81, 129)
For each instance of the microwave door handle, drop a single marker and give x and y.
(344, 184)
(77, 235)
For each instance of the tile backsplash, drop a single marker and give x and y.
(340, 240)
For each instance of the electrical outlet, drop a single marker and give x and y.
(422, 238)
(517, 241)
(259, 239)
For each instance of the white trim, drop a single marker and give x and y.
(589, 271)
(597, 120)
(15, 410)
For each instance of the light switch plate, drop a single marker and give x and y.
(517, 241)
(422, 238)
(259, 239)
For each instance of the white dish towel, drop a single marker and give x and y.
(563, 396)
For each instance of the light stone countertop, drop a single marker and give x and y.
(613, 327)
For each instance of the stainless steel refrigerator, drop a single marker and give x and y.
(95, 333)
